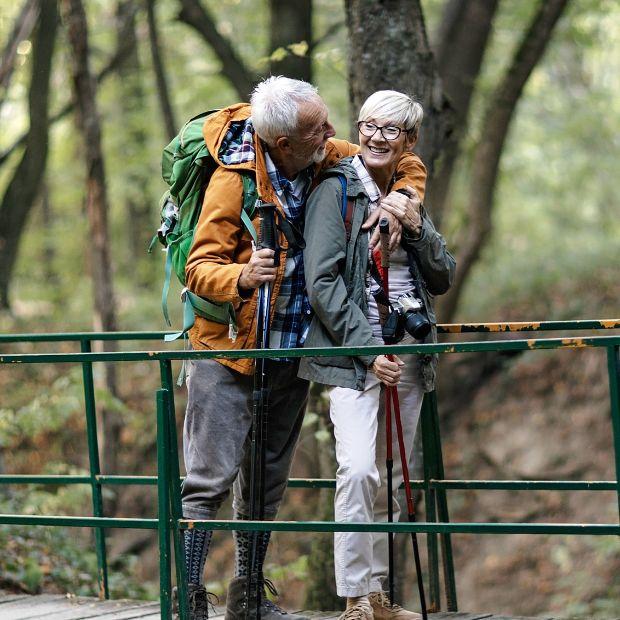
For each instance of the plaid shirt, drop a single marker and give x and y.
(293, 313)
(238, 144)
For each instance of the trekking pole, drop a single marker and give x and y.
(391, 398)
(384, 236)
(260, 409)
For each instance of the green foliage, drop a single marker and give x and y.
(48, 412)
(582, 590)
(61, 559)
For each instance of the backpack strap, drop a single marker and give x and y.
(250, 195)
(347, 207)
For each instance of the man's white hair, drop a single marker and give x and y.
(395, 107)
(275, 106)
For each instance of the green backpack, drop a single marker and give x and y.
(187, 167)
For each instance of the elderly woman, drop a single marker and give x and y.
(342, 284)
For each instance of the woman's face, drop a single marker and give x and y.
(376, 151)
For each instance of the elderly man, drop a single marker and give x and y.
(285, 139)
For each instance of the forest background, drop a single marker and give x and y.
(522, 103)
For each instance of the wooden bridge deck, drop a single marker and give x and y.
(59, 607)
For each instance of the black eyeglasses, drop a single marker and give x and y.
(389, 132)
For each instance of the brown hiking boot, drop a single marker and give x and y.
(361, 611)
(383, 609)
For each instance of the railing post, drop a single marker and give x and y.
(442, 507)
(428, 451)
(175, 490)
(95, 469)
(163, 502)
(613, 366)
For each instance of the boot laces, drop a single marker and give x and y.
(357, 612)
(200, 601)
(269, 604)
(383, 600)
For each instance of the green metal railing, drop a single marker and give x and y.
(437, 526)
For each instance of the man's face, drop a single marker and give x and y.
(313, 131)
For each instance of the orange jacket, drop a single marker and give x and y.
(222, 246)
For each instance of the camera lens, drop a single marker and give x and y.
(417, 325)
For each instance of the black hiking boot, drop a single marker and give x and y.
(199, 601)
(236, 603)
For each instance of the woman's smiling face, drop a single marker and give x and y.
(379, 153)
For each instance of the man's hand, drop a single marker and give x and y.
(259, 270)
(386, 371)
(396, 228)
(406, 210)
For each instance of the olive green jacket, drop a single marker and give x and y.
(335, 272)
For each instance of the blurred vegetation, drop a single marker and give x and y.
(553, 254)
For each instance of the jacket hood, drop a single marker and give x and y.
(216, 128)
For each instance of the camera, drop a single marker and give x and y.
(406, 313)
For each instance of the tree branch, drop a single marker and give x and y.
(22, 29)
(160, 73)
(23, 187)
(242, 78)
(331, 31)
(461, 42)
(488, 152)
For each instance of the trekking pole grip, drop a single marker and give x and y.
(268, 233)
(384, 239)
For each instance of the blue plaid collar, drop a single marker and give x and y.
(292, 194)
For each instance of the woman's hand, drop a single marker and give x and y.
(386, 371)
(396, 228)
(406, 210)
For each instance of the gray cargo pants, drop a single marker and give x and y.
(217, 438)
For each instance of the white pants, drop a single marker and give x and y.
(361, 559)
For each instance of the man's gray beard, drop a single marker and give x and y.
(319, 155)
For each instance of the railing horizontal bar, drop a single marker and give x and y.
(458, 347)
(448, 328)
(526, 485)
(484, 485)
(105, 522)
(330, 483)
(523, 326)
(600, 529)
(127, 480)
(75, 479)
(322, 526)
(79, 336)
(33, 479)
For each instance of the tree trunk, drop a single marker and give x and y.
(87, 116)
(241, 77)
(496, 123)
(23, 187)
(163, 92)
(22, 29)
(389, 50)
(132, 105)
(49, 246)
(291, 24)
(461, 42)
